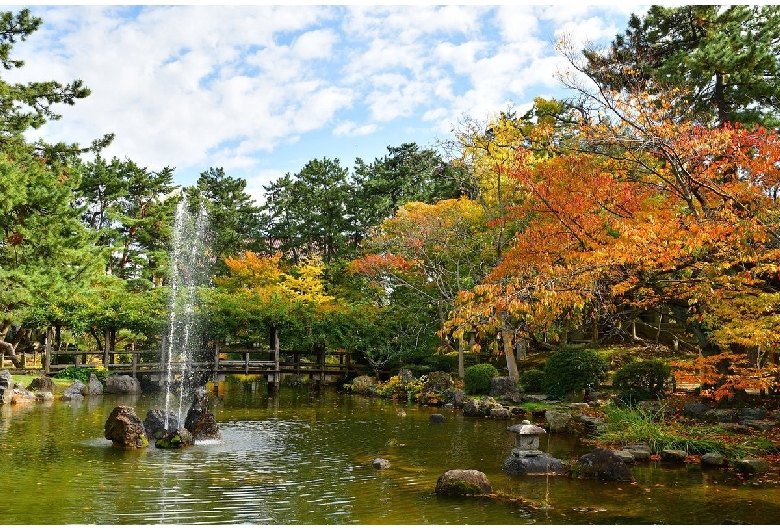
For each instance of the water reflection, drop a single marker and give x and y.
(306, 458)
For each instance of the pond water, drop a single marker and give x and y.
(306, 458)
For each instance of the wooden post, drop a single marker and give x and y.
(105, 348)
(246, 362)
(135, 362)
(273, 379)
(216, 358)
(47, 351)
(320, 351)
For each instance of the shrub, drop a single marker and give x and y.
(82, 373)
(572, 370)
(476, 378)
(642, 380)
(531, 380)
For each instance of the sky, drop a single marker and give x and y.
(261, 90)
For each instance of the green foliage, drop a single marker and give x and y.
(532, 380)
(306, 213)
(234, 217)
(642, 380)
(82, 373)
(476, 378)
(725, 56)
(626, 425)
(573, 370)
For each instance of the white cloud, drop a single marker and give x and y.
(201, 86)
(349, 128)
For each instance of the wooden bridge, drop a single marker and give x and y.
(274, 364)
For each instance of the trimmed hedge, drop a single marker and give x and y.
(573, 370)
(642, 380)
(476, 379)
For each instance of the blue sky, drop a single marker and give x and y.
(260, 90)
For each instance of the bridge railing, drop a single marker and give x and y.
(221, 361)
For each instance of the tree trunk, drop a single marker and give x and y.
(9, 351)
(461, 359)
(511, 363)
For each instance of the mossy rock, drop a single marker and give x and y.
(462, 483)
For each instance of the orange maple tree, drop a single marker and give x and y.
(648, 212)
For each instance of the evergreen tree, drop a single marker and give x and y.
(45, 250)
(727, 57)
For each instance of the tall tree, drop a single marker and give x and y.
(234, 217)
(44, 248)
(407, 173)
(726, 57)
(132, 208)
(305, 215)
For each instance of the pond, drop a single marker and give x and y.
(303, 457)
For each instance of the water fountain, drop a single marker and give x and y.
(188, 271)
(189, 251)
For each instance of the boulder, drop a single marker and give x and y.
(480, 406)
(625, 456)
(437, 418)
(463, 482)
(591, 423)
(639, 451)
(713, 459)
(673, 455)
(122, 384)
(752, 414)
(602, 464)
(751, 465)
(199, 421)
(406, 376)
(505, 388)
(500, 413)
(44, 384)
(454, 397)
(695, 409)
(521, 462)
(74, 391)
(44, 396)
(125, 429)
(6, 387)
(380, 463)
(154, 423)
(94, 386)
(721, 415)
(439, 382)
(176, 439)
(558, 420)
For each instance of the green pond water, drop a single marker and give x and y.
(306, 458)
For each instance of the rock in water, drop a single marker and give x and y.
(602, 464)
(122, 384)
(94, 386)
(200, 422)
(154, 423)
(175, 440)
(6, 387)
(125, 429)
(462, 482)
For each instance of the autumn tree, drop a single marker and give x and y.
(429, 252)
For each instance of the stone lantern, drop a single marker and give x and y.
(526, 436)
(526, 458)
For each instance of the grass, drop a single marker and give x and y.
(636, 425)
(26, 379)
